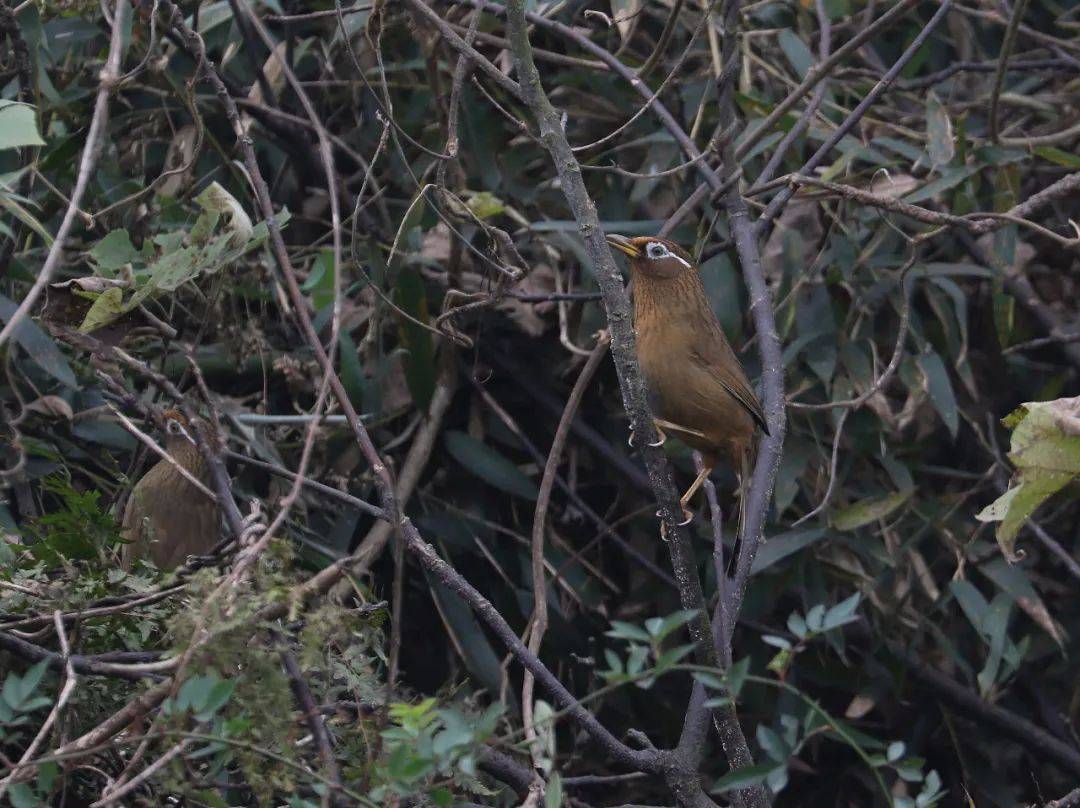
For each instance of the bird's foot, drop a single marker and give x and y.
(630, 440)
(662, 438)
(688, 517)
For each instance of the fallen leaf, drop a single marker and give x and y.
(860, 706)
(51, 405)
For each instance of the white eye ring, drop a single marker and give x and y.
(655, 250)
(176, 428)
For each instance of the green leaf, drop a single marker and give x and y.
(772, 743)
(1046, 451)
(217, 698)
(32, 678)
(940, 145)
(972, 603)
(940, 388)
(18, 126)
(480, 658)
(554, 793)
(544, 719)
(995, 626)
(320, 282)
(114, 251)
(1004, 317)
(38, 346)
(624, 14)
(12, 203)
(797, 625)
(780, 547)
(736, 676)
(842, 613)
(352, 372)
(1055, 155)
(931, 790)
(195, 692)
(415, 339)
(660, 627)
(950, 177)
(867, 511)
(627, 631)
(22, 796)
(216, 200)
(796, 51)
(742, 778)
(490, 466)
(485, 204)
(710, 680)
(108, 306)
(1014, 579)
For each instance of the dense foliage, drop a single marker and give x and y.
(906, 637)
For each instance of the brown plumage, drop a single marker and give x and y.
(698, 391)
(167, 518)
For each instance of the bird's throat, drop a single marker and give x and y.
(682, 295)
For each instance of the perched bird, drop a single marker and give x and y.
(168, 518)
(698, 391)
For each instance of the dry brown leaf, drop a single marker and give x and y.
(1037, 611)
(860, 706)
(181, 153)
(436, 243)
(51, 405)
(892, 185)
(92, 284)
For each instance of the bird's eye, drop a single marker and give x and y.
(655, 249)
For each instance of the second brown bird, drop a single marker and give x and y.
(168, 518)
(698, 391)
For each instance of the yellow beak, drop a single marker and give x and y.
(623, 245)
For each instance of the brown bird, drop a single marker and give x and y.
(698, 391)
(167, 517)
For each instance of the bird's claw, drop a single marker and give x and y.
(662, 438)
(688, 517)
(630, 440)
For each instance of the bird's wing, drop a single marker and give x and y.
(133, 529)
(730, 376)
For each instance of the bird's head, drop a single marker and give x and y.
(178, 430)
(652, 256)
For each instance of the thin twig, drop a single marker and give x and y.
(763, 225)
(312, 717)
(539, 621)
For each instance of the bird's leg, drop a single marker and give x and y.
(694, 486)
